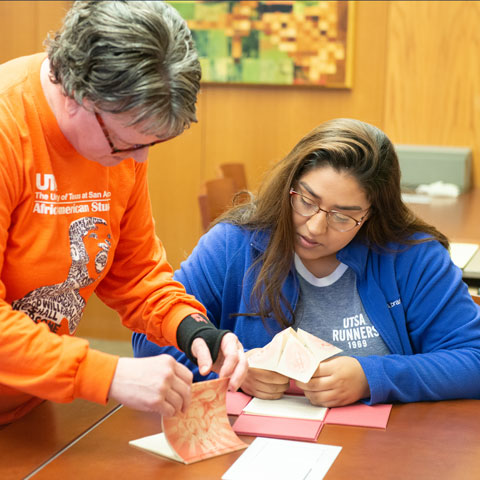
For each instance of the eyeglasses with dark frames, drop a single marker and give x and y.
(306, 207)
(114, 149)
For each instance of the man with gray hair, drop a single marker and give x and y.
(75, 129)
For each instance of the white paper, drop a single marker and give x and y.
(416, 198)
(157, 444)
(461, 253)
(283, 460)
(440, 189)
(289, 406)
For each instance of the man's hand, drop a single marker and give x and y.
(264, 383)
(336, 382)
(231, 361)
(153, 384)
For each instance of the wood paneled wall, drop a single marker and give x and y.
(432, 93)
(24, 25)
(416, 75)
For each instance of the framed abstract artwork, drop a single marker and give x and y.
(273, 43)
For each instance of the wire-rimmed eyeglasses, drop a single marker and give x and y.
(306, 207)
(114, 149)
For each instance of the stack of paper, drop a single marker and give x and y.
(291, 417)
(295, 418)
(278, 427)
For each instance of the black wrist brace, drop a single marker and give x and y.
(197, 325)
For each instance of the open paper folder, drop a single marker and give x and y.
(295, 354)
(203, 431)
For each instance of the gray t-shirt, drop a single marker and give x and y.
(330, 308)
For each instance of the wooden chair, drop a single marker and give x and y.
(235, 171)
(215, 199)
(204, 211)
(476, 299)
(218, 194)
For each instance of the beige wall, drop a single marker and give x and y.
(416, 75)
(24, 25)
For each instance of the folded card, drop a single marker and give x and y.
(203, 431)
(295, 354)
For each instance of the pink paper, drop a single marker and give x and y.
(294, 389)
(278, 427)
(360, 415)
(236, 402)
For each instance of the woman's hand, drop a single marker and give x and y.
(264, 383)
(336, 382)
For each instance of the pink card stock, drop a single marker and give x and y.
(278, 427)
(236, 402)
(360, 415)
(293, 389)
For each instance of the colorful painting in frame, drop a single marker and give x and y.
(273, 43)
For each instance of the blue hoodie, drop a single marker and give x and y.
(413, 295)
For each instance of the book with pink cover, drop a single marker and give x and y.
(295, 354)
(278, 427)
(360, 415)
(202, 432)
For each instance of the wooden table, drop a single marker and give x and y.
(29, 442)
(425, 441)
(458, 218)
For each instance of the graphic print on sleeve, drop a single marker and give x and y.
(61, 306)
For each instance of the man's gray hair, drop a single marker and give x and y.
(129, 56)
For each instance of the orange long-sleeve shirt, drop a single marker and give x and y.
(69, 227)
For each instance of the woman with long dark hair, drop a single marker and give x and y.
(328, 245)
